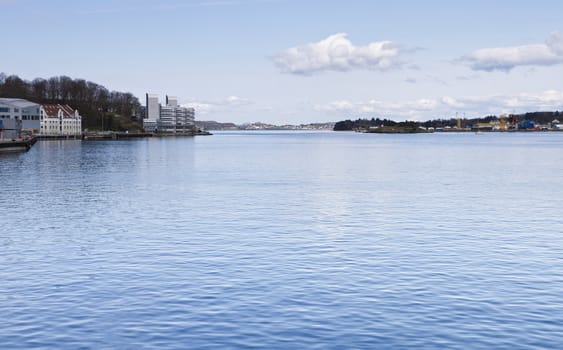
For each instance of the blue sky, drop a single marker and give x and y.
(298, 61)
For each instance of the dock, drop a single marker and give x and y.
(16, 145)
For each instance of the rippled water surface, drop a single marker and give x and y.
(284, 240)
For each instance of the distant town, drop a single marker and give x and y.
(213, 125)
(534, 121)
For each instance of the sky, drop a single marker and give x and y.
(300, 61)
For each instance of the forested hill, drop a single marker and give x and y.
(92, 100)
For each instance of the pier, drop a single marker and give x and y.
(16, 145)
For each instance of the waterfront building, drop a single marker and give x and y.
(18, 116)
(152, 113)
(171, 118)
(185, 119)
(172, 101)
(153, 107)
(167, 119)
(60, 120)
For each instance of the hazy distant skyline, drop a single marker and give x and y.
(290, 61)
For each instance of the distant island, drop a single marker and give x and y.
(398, 128)
(533, 121)
(213, 125)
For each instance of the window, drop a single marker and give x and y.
(5, 109)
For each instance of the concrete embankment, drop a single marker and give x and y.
(125, 135)
(113, 135)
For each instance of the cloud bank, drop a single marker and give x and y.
(447, 106)
(228, 103)
(337, 53)
(506, 58)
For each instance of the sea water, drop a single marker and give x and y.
(284, 240)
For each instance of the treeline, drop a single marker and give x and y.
(348, 124)
(98, 106)
(540, 117)
(536, 117)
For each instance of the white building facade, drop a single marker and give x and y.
(172, 118)
(153, 107)
(172, 101)
(60, 120)
(18, 116)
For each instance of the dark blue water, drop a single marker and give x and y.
(284, 240)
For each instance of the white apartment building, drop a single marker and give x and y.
(172, 101)
(153, 107)
(172, 118)
(167, 119)
(185, 118)
(60, 120)
(18, 115)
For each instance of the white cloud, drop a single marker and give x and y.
(205, 107)
(200, 107)
(507, 58)
(235, 101)
(452, 102)
(555, 42)
(447, 106)
(340, 105)
(408, 110)
(427, 78)
(468, 77)
(423, 104)
(337, 53)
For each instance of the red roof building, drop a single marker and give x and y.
(52, 111)
(60, 120)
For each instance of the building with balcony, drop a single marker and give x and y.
(171, 117)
